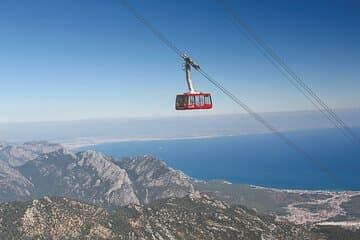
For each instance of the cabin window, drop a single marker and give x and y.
(199, 100)
(181, 101)
(191, 100)
(207, 100)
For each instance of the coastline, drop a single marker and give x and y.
(96, 141)
(92, 141)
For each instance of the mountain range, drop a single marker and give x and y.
(37, 169)
(47, 189)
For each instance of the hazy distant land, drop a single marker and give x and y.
(91, 132)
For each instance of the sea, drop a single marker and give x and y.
(260, 159)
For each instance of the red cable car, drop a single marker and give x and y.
(192, 100)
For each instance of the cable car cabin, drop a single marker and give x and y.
(193, 101)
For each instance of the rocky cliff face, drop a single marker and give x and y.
(191, 218)
(88, 176)
(153, 179)
(13, 185)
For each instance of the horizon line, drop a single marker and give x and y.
(152, 117)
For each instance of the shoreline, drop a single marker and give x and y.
(93, 142)
(89, 141)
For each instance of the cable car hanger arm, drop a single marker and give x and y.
(188, 64)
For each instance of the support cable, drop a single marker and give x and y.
(289, 74)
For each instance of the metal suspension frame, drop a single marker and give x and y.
(188, 64)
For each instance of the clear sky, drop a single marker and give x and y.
(65, 60)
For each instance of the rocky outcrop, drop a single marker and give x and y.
(153, 179)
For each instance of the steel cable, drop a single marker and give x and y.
(289, 74)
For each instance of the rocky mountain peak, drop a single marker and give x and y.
(153, 179)
(59, 153)
(91, 154)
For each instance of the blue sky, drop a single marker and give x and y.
(66, 60)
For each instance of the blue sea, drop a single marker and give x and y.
(261, 159)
